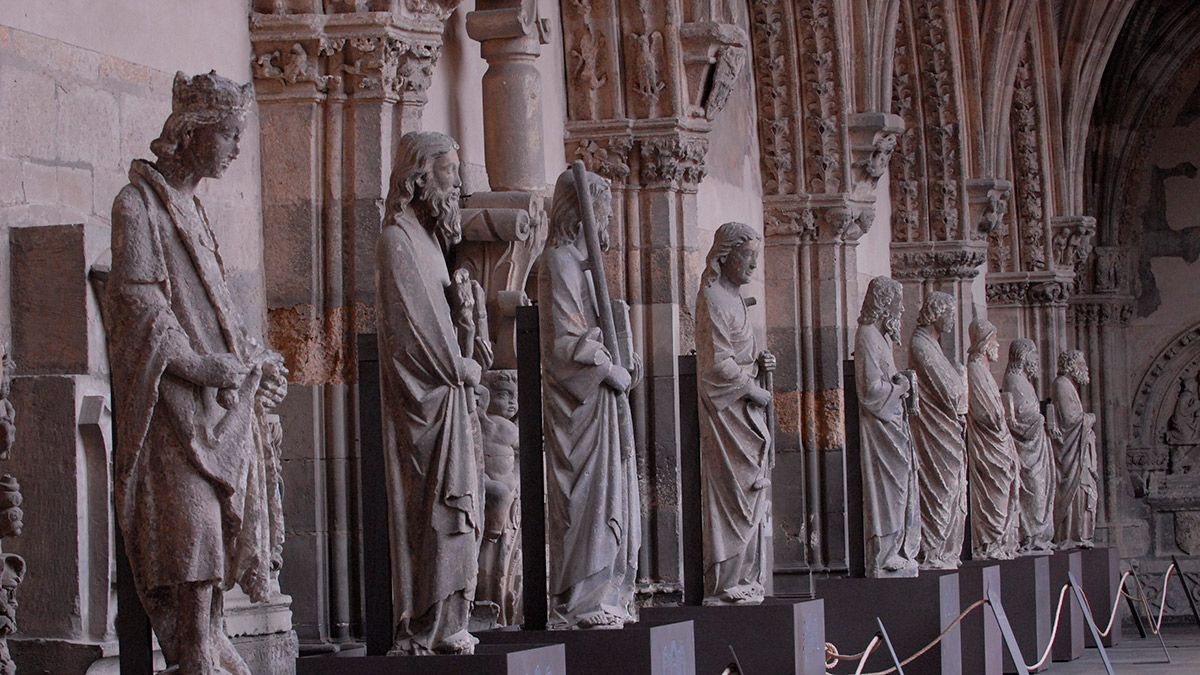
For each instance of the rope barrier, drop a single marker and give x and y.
(1116, 606)
(1062, 596)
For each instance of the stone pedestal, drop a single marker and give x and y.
(1027, 603)
(914, 611)
(262, 632)
(1068, 646)
(487, 660)
(662, 649)
(982, 644)
(778, 636)
(1102, 585)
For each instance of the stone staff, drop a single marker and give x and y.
(621, 350)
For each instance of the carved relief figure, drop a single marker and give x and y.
(1183, 427)
(11, 576)
(8, 415)
(587, 75)
(937, 434)
(1036, 458)
(736, 448)
(499, 592)
(191, 387)
(1073, 432)
(994, 477)
(427, 379)
(892, 524)
(593, 510)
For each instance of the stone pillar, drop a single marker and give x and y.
(337, 87)
(62, 453)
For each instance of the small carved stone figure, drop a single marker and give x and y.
(736, 448)
(1073, 433)
(428, 376)
(12, 518)
(1183, 427)
(8, 415)
(937, 434)
(191, 388)
(1036, 457)
(500, 575)
(11, 576)
(892, 523)
(994, 477)
(593, 510)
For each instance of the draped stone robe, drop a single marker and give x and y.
(937, 435)
(593, 509)
(190, 475)
(994, 473)
(1075, 457)
(432, 448)
(892, 526)
(1037, 470)
(735, 448)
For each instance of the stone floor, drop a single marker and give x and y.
(1135, 656)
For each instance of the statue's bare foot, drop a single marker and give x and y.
(461, 642)
(896, 563)
(740, 595)
(600, 619)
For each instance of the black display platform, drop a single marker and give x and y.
(1068, 646)
(982, 644)
(779, 636)
(1026, 584)
(914, 611)
(654, 649)
(1101, 584)
(487, 660)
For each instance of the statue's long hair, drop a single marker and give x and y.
(415, 154)
(935, 307)
(729, 237)
(882, 293)
(565, 218)
(1019, 362)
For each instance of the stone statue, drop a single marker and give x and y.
(191, 388)
(1183, 427)
(11, 576)
(1036, 458)
(1073, 433)
(428, 374)
(736, 447)
(937, 435)
(892, 525)
(499, 594)
(593, 510)
(994, 476)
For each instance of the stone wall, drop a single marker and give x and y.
(84, 88)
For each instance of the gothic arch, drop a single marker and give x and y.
(1156, 386)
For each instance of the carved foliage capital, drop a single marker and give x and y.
(1028, 292)
(809, 222)
(608, 157)
(675, 162)
(942, 260)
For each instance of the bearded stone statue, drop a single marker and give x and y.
(1073, 434)
(892, 523)
(1034, 454)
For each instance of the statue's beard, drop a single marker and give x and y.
(1080, 376)
(442, 207)
(1031, 372)
(891, 329)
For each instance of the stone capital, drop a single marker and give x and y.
(873, 138)
(1072, 241)
(955, 259)
(672, 161)
(822, 219)
(604, 147)
(1034, 289)
(1101, 310)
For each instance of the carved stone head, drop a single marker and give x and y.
(566, 222)
(983, 339)
(502, 390)
(425, 179)
(11, 576)
(883, 307)
(11, 515)
(734, 255)
(201, 135)
(1072, 364)
(937, 312)
(1023, 359)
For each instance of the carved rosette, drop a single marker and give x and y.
(937, 260)
(672, 162)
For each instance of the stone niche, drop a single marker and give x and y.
(1164, 462)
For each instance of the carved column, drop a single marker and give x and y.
(338, 83)
(1100, 313)
(645, 81)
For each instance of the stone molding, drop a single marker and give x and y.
(938, 260)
